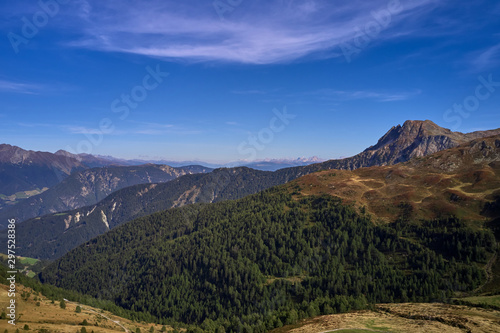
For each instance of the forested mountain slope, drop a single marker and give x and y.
(51, 236)
(301, 249)
(271, 259)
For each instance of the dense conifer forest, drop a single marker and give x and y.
(271, 259)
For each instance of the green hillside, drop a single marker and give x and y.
(271, 259)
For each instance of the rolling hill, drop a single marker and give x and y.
(459, 182)
(407, 317)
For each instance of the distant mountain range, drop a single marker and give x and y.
(94, 161)
(22, 170)
(52, 235)
(90, 186)
(25, 170)
(276, 164)
(264, 165)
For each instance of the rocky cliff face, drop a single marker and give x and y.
(418, 139)
(414, 138)
(476, 152)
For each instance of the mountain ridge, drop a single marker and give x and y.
(24, 170)
(90, 186)
(140, 200)
(459, 181)
(415, 138)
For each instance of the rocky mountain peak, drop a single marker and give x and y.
(415, 138)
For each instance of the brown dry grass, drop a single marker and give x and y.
(408, 317)
(389, 191)
(51, 317)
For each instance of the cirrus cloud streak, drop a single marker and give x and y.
(258, 32)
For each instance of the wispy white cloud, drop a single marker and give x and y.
(486, 59)
(36, 125)
(343, 95)
(257, 32)
(148, 128)
(20, 88)
(249, 92)
(151, 125)
(142, 128)
(151, 131)
(81, 130)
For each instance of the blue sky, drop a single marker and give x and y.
(230, 80)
